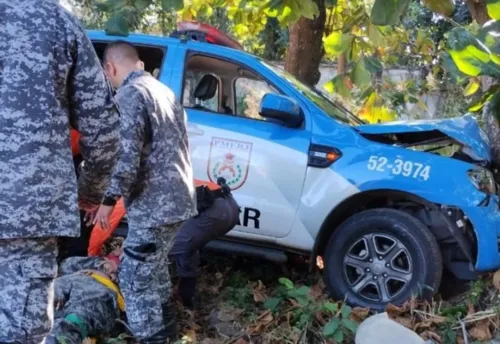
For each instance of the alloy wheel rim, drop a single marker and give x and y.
(378, 267)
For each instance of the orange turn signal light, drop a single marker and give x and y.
(332, 156)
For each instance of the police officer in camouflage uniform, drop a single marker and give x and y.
(50, 80)
(155, 178)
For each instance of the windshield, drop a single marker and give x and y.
(331, 108)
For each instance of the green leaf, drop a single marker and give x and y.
(117, 25)
(373, 65)
(117, 4)
(272, 303)
(286, 282)
(443, 7)
(468, 53)
(330, 3)
(356, 19)
(449, 336)
(489, 35)
(206, 10)
(302, 300)
(336, 43)
(350, 325)
(103, 5)
(306, 8)
(169, 5)
(338, 336)
(141, 5)
(388, 12)
(366, 93)
(337, 85)
(493, 7)
(303, 290)
(301, 293)
(330, 328)
(487, 96)
(413, 99)
(345, 311)
(332, 307)
(471, 88)
(450, 67)
(376, 36)
(330, 86)
(360, 76)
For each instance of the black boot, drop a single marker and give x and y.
(170, 320)
(169, 334)
(187, 290)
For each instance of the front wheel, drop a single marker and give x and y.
(382, 256)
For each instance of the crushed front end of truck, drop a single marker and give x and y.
(466, 216)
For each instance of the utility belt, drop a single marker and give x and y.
(205, 197)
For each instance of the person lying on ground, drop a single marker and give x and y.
(87, 300)
(218, 213)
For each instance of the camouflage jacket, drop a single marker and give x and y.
(78, 293)
(50, 80)
(153, 174)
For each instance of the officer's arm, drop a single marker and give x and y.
(132, 136)
(93, 113)
(62, 289)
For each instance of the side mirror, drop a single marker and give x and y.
(281, 109)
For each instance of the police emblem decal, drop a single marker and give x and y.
(229, 159)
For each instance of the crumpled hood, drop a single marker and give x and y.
(463, 129)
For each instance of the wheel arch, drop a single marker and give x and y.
(438, 218)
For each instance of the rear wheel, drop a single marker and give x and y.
(382, 256)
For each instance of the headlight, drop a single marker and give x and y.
(483, 180)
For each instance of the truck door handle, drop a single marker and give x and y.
(193, 129)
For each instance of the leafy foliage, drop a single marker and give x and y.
(365, 36)
(339, 325)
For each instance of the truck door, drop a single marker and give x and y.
(264, 163)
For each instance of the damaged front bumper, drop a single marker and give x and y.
(485, 219)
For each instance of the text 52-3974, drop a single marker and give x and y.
(405, 168)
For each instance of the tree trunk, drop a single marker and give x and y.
(342, 63)
(305, 49)
(478, 11)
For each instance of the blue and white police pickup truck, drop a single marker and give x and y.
(385, 207)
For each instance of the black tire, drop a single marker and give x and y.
(419, 260)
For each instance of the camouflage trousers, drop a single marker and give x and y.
(27, 271)
(144, 277)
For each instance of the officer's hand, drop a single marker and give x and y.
(88, 219)
(103, 215)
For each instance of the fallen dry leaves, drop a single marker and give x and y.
(265, 318)
(359, 314)
(406, 321)
(261, 323)
(259, 292)
(431, 335)
(318, 290)
(496, 280)
(229, 314)
(394, 311)
(481, 330)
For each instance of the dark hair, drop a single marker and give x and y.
(121, 50)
